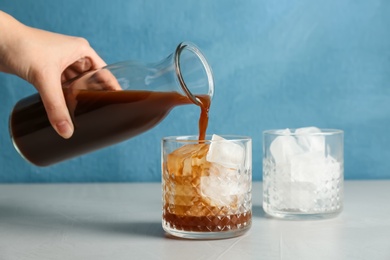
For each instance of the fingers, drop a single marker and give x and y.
(55, 105)
(81, 66)
(77, 68)
(53, 96)
(79, 58)
(103, 80)
(96, 61)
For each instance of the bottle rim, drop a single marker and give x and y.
(195, 50)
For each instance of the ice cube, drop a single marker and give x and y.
(284, 147)
(304, 169)
(309, 140)
(308, 167)
(182, 172)
(286, 131)
(225, 152)
(223, 186)
(181, 162)
(334, 167)
(314, 167)
(195, 183)
(299, 196)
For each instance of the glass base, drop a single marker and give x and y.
(294, 214)
(205, 235)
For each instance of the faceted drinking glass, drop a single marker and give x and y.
(206, 186)
(303, 172)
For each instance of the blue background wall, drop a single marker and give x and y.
(277, 64)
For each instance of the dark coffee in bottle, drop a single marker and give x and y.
(114, 103)
(101, 118)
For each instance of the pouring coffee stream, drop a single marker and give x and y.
(113, 104)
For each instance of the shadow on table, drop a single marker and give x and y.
(258, 212)
(41, 220)
(150, 229)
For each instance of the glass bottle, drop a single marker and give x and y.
(112, 104)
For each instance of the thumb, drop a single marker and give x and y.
(55, 105)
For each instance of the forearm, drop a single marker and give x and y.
(11, 32)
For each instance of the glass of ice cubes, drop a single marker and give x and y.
(206, 186)
(303, 172)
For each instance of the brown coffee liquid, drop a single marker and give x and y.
(204, 115)
(101, 118)
(186, 209)
(189, 202)
(207, 223)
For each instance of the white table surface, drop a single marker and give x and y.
(123, 221)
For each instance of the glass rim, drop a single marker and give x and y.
(195, 50)
(195, 138)
(324, 131)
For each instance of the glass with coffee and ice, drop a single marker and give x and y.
(206, 186)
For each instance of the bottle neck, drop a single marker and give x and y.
(193, 72)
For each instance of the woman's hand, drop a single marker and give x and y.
(46, 60)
